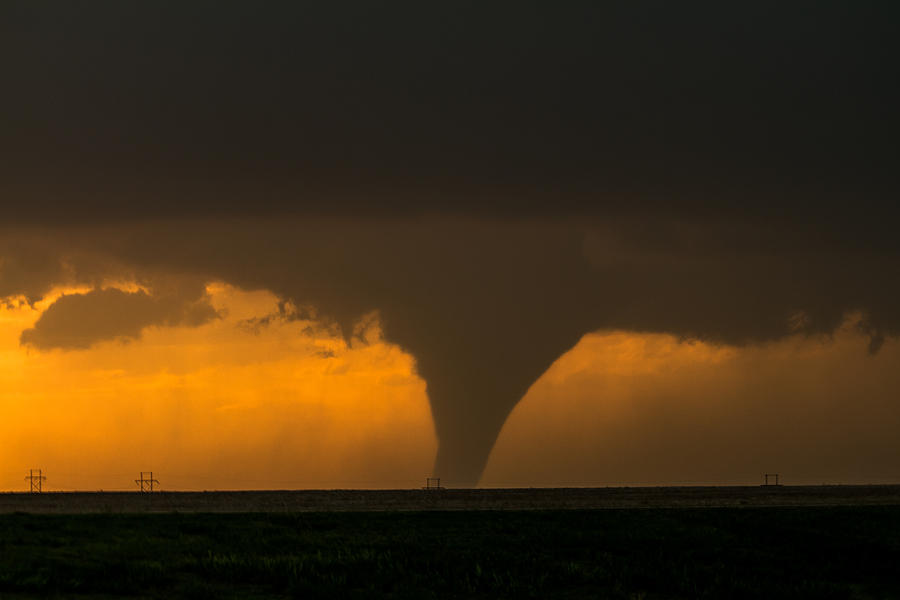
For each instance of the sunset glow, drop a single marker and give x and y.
(257, 398)
(260, 397)
(649, 409)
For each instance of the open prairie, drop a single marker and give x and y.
(664, 542)
(624, 553)
(450, 499)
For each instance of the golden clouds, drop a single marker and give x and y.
(627, 408)
(256, 399)
(262, 398)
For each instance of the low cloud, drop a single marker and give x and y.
(78, 321)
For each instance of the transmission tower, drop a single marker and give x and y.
(146, 481)
(35, 479)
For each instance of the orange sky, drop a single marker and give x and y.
(648, 409)
(239, 403)
(227, 405)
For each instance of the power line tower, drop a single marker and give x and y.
(35, 479)
(146, 481)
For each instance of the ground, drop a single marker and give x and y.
(734, 551)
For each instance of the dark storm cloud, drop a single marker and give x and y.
(755, 108)
(496, 179)
(29, 268)
(32, 262)
(77, 321)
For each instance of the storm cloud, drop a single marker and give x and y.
(486, 307)
(81, 320)
(510, 109)
(495, 181)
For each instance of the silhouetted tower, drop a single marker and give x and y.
(35, 479)
(146, 481)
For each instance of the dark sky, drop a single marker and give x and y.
(497, 179)
(519, 108)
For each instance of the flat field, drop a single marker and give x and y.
(830, 549)
(451, 499)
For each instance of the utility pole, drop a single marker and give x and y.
(35, 478)
(146, 481)
(432, 483)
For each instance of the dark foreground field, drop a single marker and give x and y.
(451, 499)
(813, 552)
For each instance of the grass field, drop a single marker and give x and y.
(451, 499)
(785, 552)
